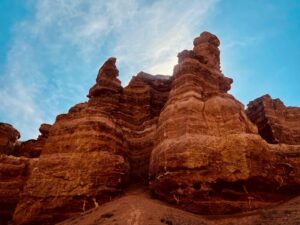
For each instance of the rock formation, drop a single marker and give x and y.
(208, 157)
(14, 172)
(141, 103)
(184, 134)
(276, 123)
(84, 158)
(8, 138)
(33, 148)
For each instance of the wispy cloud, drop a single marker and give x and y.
(56, 53)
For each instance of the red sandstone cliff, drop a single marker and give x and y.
(208, 157)
(276, 123)
(184, 134)
(14, 171)
(8, 138)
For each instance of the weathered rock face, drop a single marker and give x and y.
(205, 155)
(276, 123)
(33, 148)
(208, 157)
(83, 162)
(141, 103)
(8, 138)
(14, 172)
(87, 152)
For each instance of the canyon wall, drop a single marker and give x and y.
(208, 157)
(276, 123)
(183, 134)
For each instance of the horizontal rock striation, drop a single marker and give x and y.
(141, 103)
(87, 153)
(83, 160)
(14, 172)
(276, 123)
(184, 134)
(208, 157)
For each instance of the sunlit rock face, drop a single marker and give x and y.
(208, 157)
(276, 123)
(83, 162)
(183, 134)
(94, 150)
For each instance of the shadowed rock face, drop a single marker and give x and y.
(276, 123)
(208, 157)
(14, 171)
(33, 148)
(8, 138)
(184, 133)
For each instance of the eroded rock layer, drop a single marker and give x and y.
(208, 157)
(14, 172)
(32, 148)
(87, 153)
(83, 162)
(141, 103)
(8, 138)
(185, 132)
(276, 122)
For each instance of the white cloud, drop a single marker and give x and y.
(19, 86)
(55, 54)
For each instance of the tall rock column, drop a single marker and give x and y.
(83, 162)
(208, 157)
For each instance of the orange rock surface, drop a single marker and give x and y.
(33, 148)
(8, 138)
(276, 123)
(14, 171)
(208, 157)
(183, 134)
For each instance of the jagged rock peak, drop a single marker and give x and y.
(107, 82)
(108, 69)
(207, 37)
(8, 138)
(203, 64)
(44, 129)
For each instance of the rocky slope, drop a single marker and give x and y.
(183, 134)
(276, 122)
(139, 208)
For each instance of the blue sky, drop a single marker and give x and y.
(51, 50)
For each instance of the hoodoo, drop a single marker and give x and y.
(184, 137)
(209, 157)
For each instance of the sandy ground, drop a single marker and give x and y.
(137, 207)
